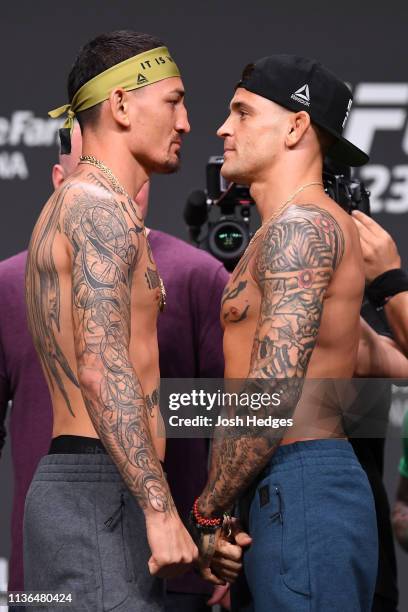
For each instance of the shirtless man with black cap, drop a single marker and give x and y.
(291, 311)
(100, 522)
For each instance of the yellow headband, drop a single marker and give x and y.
(138, 71)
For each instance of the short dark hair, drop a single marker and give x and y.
(101, 53)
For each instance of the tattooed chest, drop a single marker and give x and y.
(241, 299)
(239, 302)
(146, 289)
(147, 286)
(155, 287)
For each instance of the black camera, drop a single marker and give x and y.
(225, 209)
(349, 192)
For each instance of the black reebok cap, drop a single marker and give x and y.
(299, 83)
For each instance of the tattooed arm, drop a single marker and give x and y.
(294, 266)
(106, 241)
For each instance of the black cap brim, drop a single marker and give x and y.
(343, 151)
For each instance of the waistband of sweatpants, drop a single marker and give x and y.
(77, 468)
(76, 445)
(311, 452)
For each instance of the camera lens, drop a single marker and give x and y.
(228, 238)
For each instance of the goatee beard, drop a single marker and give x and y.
(171, 166)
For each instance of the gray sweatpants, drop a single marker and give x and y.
(85, 534)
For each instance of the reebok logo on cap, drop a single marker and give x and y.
(302, 95)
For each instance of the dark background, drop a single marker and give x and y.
(211, 42)
(40, 40)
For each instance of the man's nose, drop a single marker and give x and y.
(183, 125)
(225, 129)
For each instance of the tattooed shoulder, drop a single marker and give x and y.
(104, 231)
(295, 264)
(304, 237)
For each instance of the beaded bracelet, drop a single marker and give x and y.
(203, 523)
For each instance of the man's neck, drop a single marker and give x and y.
(130, 174)
(274, 189)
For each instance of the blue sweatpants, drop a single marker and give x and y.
(314, 532)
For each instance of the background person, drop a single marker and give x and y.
(386, 355)
(387, 282)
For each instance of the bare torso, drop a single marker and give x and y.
(335, 352)
(50, 296)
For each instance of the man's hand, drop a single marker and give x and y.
(379, 249)
(380, 255)
(173, 550)
(225, 564)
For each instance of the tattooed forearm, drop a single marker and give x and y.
(294, 265)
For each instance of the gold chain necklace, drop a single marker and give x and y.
(283, 206)
(117, 188)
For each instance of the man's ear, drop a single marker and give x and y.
(119, 105)
(57, 175)
(298, 125)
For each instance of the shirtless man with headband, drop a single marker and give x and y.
(100, 521)
(291, 311)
